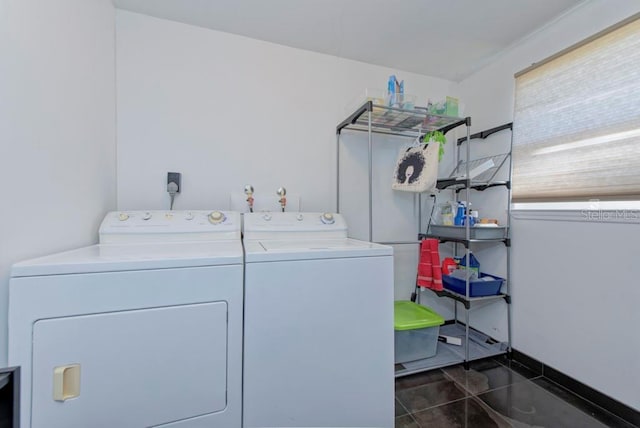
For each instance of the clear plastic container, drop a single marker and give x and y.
(403, 101)
(443, 215)
(416, 331)
(377, 96)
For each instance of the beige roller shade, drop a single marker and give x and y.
(577, 121)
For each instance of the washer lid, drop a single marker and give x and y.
(124, 257)
(301, 249)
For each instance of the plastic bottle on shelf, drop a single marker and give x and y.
(446, 214)
(391, 91)
(472, 217)
(460, 213)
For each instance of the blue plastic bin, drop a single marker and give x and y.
(476, 288)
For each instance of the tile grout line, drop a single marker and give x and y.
(491, 389)
(468, 394)
(474, 398)
(447, 379)
(414, 420)
(403, 406)
(490, 410)
(439, 405)
(500, 387)
(421, 385)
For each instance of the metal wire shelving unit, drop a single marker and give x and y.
(374, 120)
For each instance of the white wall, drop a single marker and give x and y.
(574, 284)
(57, 129)
(227, 110)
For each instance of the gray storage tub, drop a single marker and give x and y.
(475, 232)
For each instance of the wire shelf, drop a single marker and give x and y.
(481, 170)
(391, 120)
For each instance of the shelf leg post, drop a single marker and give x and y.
(337, 172)
(455, 312)
(370, 176)
(466, 339)
(467, 249)
(508, 248)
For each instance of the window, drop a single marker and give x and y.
(577, 121)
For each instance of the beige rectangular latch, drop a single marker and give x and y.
(66, 382)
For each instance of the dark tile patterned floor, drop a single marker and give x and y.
(493, 393)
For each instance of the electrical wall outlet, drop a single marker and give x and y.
(175, 177)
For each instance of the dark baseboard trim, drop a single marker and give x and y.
(614, 406)
(533, 364)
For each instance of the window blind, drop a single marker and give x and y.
(576, 133)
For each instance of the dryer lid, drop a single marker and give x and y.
(116, 257)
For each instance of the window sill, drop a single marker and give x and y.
(586, 214)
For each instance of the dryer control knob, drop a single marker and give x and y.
(299, 217)
(266, 217)
(188, 216)
(327, 218)
(123, 216)
(146, 216)
(216, 217)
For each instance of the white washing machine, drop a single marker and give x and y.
(143, 329)
(318, 338)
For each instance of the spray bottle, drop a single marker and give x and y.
(391, 90)
(460, 213)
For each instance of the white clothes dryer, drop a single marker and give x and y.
(143, 329)
(318, 338)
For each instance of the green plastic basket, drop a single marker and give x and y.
(410, 316)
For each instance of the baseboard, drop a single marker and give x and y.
(531, 363)
(612, 405)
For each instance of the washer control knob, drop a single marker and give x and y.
(123, 216)
(146, 216)
(216, 217)
(188, 216)
(299, 217)
(327, 218)
(266, 217)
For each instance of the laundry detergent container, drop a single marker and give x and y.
(416, 331)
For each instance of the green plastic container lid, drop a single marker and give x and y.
(410, 316)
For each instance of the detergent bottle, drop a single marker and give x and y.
(460, 214)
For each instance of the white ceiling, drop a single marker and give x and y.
(450, 39)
